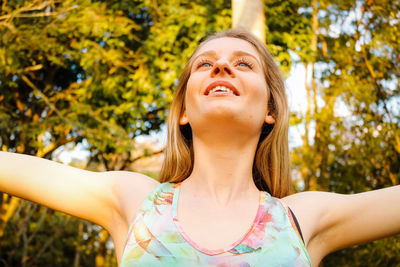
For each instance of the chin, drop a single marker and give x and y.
(223, 114)
(222, 111)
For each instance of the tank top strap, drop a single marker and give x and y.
(290, 214)
(293, 225)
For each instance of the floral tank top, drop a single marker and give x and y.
(155, 237)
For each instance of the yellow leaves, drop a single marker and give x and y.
(112, 70)
(89, 81)
(33, 68)
(36, 117)
(397, 144)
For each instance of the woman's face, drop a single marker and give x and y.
(226, 83)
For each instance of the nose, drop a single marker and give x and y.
(222, 67)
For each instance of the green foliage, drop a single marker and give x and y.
(383, 252)
(353, 128)
(83, 70)
(288, 28)
(37, 236)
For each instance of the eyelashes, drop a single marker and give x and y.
(203, 62)
(244, 61)
(240, 62)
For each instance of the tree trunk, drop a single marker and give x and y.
(309, 175)
(305, 171)
(320, 150)
(249, 14)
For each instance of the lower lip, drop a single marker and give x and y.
(221, 94)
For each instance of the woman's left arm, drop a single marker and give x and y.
(363, 217)
(334, 221)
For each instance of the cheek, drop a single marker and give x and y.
(192, 89)
(190, 101)
(194, 82)
(259, 92)
(258, 105)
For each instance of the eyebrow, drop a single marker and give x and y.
(234, 54)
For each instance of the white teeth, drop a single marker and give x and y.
(220, 89)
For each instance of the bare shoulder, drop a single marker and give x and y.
(130, 189)
(312, 199)
(311, 210)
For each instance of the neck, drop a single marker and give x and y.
(223, 167)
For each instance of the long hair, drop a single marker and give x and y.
(271, 166)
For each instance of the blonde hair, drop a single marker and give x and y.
(271, 167)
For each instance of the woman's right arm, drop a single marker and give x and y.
(105, 198)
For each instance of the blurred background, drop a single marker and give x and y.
(89, 83)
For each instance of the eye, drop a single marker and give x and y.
(204, 63)
(242, 64)
(245, 63)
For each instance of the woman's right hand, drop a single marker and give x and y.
(110, 199)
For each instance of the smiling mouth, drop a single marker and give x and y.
(221, 88)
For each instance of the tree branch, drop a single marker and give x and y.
(45, 98)
(35, 15)
(146, 156)
(53, 146)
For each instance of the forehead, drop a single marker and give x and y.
(227, 45)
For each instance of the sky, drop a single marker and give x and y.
(297, 98)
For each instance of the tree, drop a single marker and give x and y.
(352, 142)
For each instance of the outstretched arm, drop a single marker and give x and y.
(105, 198)
(334, 221)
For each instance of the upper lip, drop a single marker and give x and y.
(221, 83)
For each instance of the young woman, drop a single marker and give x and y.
(225, 196)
